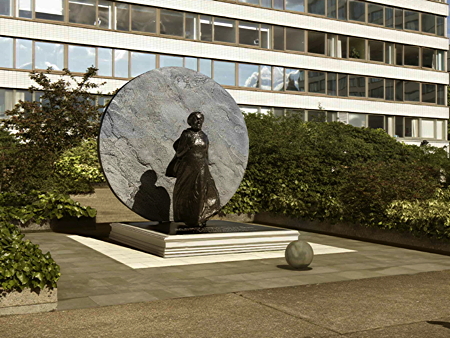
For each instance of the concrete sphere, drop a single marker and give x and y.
(299, 254)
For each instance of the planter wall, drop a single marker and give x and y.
(27, 301)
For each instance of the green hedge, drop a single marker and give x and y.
(22, 263)
(39, 207)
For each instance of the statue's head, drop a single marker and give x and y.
(195, 120)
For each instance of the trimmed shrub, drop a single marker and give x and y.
(22, 263)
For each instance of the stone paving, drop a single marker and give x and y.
(91, 279)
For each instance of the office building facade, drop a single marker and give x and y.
(378, 64)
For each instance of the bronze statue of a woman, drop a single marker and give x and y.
(195, 196)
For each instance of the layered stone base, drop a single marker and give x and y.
(217, 238)
(28, 301)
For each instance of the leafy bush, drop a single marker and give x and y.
(22, 263)
(40, 207)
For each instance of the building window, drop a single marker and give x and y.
(143, 62)
(316, 116)
(278, 38)
(191, 26)
(343, 85)
(105, 14)
(190, 63)
(316, 7)
(439, 129)
(357, 48)
(104, 61)
(428, 93)
(376, 88)
(399, 18)
(342, 9)
(295, 80)
(49, 55)
(49, 9)
(225, 73)
(316, 42)
(206, 67)
(411, 127)
(412, 91)
(332, 9)
(265, 77)
(376, 121)
(143, 19)
(427, 128)
(375, 14)
(123, 16)
(440, 60)
(24, 54)
(248, 33)
(398, 90)
(428, 23)
(389, 17)
(411, 55)
(121, 63)
(295, 5)
(170, 61)
(389, 93)
(171, 22)
(357, 86)
(357, 120)
(224, 30)
(316, 82)
(399, 126)
(6, 56)
(82, 11)
(376, 50)
(6, 7)
(357, 11)
(23, 8)
(412, 20)
(427, 58)
(337, 46)
(81, 58)
(440, 25)
(389, 52)
(441, 94)
(399, 55)
(332, 84)
(277, 78)
(295, 39)
(248, 75)
(206, 28)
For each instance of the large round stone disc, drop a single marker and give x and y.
(141, 124)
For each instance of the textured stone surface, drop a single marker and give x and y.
(299, 254)
(142, 122)
(27, 301)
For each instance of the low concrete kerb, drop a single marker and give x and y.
(28, 301)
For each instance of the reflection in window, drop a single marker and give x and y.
(357, 48)
(225, 73)
(190, 31)
(357, 11)
(23, 8)
(248, 33)
(170, 61)
(190, 63)
(316, 42)
(5, 8)
(411, 57)
(206, 28)
(24, 54)
(412, 20)
(105, 14)
(205, 67)
(49, 9)
(295, 80)
(278, 78)
(440, 24)
(266, 77)
(441, 94)
(6, 56)
(248, 75)
(122, 16)
(81, 58)
(375, 14)
(278, 4)
(376, 51)
(412, 91)
(342, 9)
(357, 120)
(316, 7)
(295, 5)
(121, 63)
(82, 11)
(428, 93)
(278, 37)
(141, 63)
(398, 90)
(49, 55)
(316, 82)
(104, 61)
(389, 93)
(143, 19)
(399, 18)
(389, 17)
(6, 100)
(376, 88)
(440, 60)
(357, 86)
(343, 85)
(332, 84)
(295, 39)
(171, 22)
(332, 9)
(428, 23)
(224, 30)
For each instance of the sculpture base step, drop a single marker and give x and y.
(173, 239)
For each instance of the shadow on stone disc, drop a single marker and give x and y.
(288, 267)
(150, 201)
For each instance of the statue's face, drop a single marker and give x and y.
(196, 122)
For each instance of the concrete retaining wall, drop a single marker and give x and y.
(28, 301)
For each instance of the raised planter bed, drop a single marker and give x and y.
(28, 301)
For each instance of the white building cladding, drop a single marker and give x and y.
(379, 64)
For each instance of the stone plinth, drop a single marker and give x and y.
(27, 301)
(217, 238)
